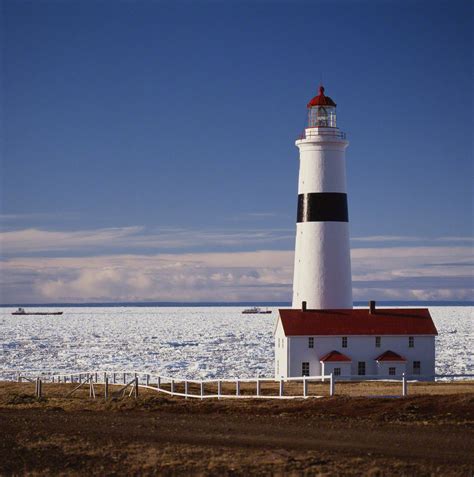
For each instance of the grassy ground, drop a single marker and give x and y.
(431, 432)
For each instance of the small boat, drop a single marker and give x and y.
(256, 311)
(21, 311)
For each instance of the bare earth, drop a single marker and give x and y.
(429, 433)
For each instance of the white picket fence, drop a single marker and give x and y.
(169, 385)
(200, 389)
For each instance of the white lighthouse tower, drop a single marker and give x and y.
(322, 274)
(327, 336)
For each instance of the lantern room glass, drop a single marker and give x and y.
(322, 117)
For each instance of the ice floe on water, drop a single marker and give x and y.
(194, 342)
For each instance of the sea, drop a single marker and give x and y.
(192, 342)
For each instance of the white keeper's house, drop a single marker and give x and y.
(355, 342)
(322, 333)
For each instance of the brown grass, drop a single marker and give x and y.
(428, 433)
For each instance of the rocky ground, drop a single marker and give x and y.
(430, 433)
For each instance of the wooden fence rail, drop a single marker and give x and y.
(285, 388)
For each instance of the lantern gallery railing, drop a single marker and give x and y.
(336, 134)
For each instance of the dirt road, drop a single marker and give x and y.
(423, 435)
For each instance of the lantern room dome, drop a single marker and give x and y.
(321, 99)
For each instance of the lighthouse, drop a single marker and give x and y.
(322, 334)
(322, 269)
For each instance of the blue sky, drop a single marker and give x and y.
(148, 147)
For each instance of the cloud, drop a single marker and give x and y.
(407, 238)
(18, 242)
(166, 277)
(173, 264)
(413, 273)
(36, 217)
(34, 240)
(392, 273)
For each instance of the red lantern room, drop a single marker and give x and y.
(321, 111)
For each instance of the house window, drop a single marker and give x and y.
(279, 342)
(310, 342)
(337, 371)
(361, 368)
(344, 341)
(305, 368)
(416, 367)
(411, 341)
(378, 340)
(391, 371)
(278, 367)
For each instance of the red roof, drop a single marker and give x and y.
(385, 321)
(321, 99)
(390, 356)
(335, 356)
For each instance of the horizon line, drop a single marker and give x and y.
(234, 303)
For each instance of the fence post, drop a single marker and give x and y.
(404, 385)
(202, 389)
(106, 392)
(147, 379)
(18, 378)
(53, 379)
(105, 376)
(172, 386)
(281, 387)
(136, 387)
(36, 387)
(219, 389)
(332, 385)
(91, 388)
(124, 378)
(258, 386)
(305, 387)
(115, 375)
(40, 388)
(159, 382)
(237, 387)
(186, 389)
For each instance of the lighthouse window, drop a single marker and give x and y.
(416, 367)
(310, 342)
(411, 341)
(344, 341)
(322, 118)
(377, 341)
(305, 368)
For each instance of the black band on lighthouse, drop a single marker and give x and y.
(322, 207)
